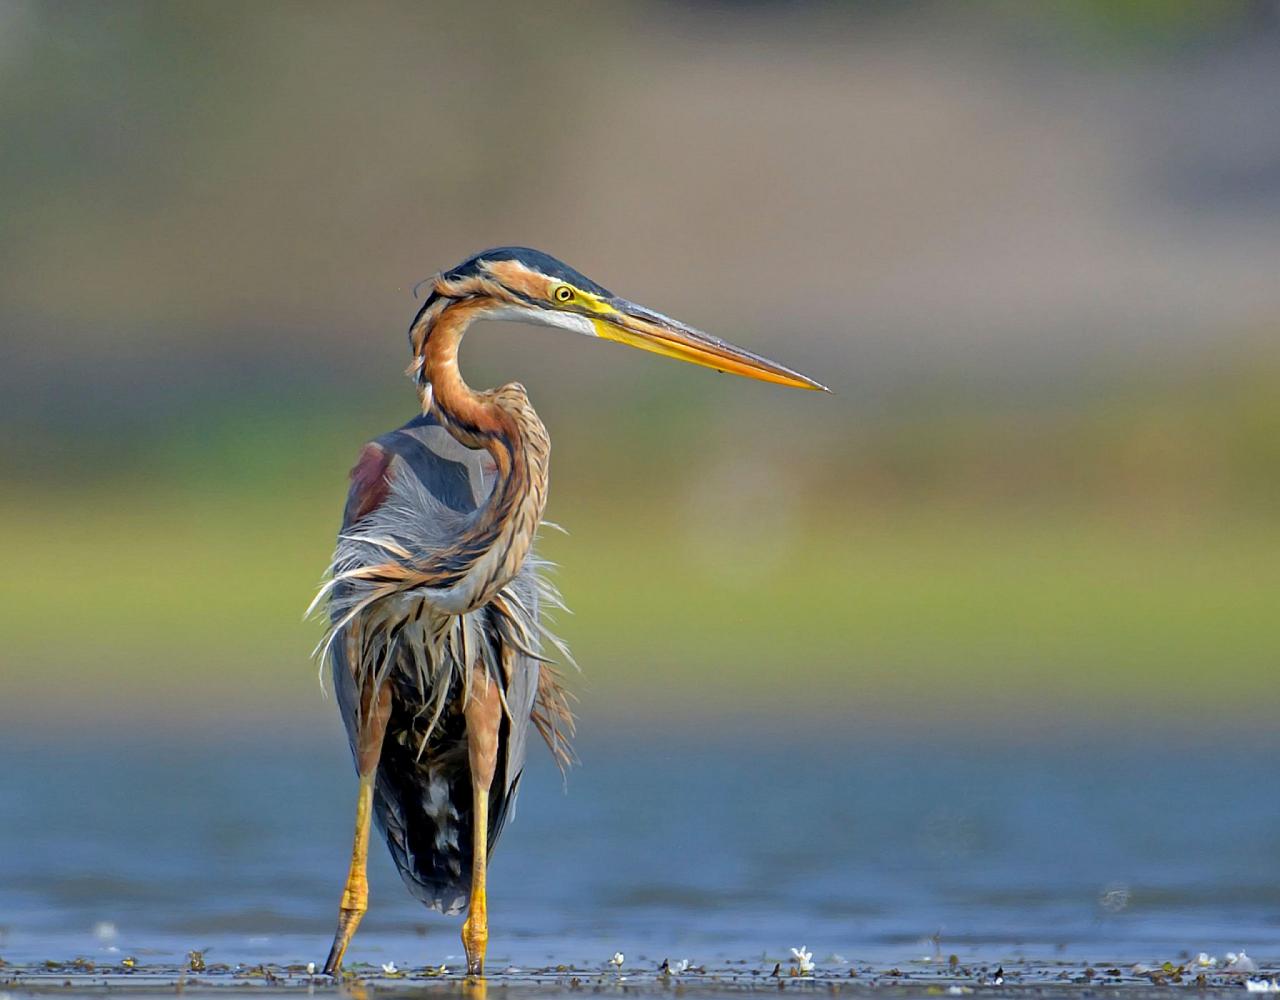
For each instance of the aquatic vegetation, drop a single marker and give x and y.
(721, 980)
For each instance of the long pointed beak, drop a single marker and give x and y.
(636, 326)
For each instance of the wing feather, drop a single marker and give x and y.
(412, 492)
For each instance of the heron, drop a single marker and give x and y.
(441, 660)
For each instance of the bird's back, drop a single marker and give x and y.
(420, 486)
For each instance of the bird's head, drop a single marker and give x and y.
(521, 284)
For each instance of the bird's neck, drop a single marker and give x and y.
(502, 422)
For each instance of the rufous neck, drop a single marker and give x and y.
(503, 423)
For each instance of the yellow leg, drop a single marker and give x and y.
(475, 929)
(355, 894)
(483, 715)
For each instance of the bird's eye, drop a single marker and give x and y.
(563, 293)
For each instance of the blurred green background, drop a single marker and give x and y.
(1032, 248)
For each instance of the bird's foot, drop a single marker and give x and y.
(348, 920)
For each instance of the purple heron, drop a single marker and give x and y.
(435, 639)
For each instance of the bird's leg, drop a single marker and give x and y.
(484, 716)
(374, 711)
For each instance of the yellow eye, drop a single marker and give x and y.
(563, 293)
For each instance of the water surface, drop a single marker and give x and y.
(712, 846)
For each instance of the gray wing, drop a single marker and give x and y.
(423, 795)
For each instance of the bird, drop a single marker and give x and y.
(441, 660)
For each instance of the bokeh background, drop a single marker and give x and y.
(1033, 249)
(1033, 253)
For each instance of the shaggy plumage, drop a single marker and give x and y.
(425, 494)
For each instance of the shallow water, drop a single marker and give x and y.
(716, 847)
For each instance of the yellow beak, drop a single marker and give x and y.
(636, 326)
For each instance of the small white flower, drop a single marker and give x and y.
(804, 959)
(617, 960)
(1262, 986)
(1240, 962)
(1205, 960)
(311, 968)
(389, 968)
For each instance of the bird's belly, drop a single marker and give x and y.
(428, 657)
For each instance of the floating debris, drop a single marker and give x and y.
(1240, 962)
(721, 980)
(1115, 898)
(804, 961)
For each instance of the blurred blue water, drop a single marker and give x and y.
(689, 845)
